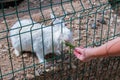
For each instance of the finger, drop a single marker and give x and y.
(76, 54)
(80, 57)
(78, 50)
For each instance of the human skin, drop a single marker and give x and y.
(111, 48)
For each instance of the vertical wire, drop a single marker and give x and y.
(93, 45)
(62, 69)
(89, 72)
(113, 36)
(10, 57)
(108, 27)
(93, 42)
(31, 36)
(69, 77)
(51, 5)
(16, 8)
(43, 49)
(108, 39)
(101, 42)
(84, 70)
(71, 19)
(83, 9)
(115, 27)
(43, 36)
(79, 34)
(101, 33)
(91, 4)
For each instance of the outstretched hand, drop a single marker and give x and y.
(81, 53)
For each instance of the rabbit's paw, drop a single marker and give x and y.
(17, 53)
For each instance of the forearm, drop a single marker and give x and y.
(111, 48)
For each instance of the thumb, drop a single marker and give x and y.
(78, 50)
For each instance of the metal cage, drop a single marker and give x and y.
(93, 22)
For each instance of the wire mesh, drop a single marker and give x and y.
(93, 22)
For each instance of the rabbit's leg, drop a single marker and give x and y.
(42, 60)
(17, 53)
(40, 57)
(39, 52)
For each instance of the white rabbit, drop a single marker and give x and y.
(27, 35)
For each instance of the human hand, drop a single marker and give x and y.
(81, 53)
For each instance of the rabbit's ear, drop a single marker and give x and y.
(57, 21)
(54, 19)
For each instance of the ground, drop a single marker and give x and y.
(91, 27)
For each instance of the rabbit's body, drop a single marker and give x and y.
(41, 38)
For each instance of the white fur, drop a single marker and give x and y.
(24, 41)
